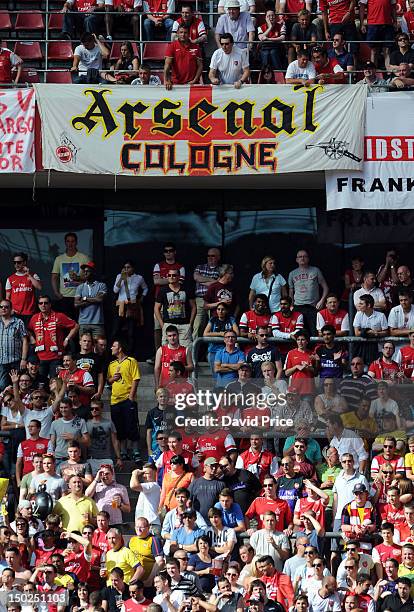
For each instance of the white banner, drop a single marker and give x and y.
(17, 121)
(387, 177)
(201, 130)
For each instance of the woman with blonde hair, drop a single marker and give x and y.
(269, 283)
(253, 572)
(55, 386)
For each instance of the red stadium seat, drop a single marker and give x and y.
(60, 50)
(58, 76)
(5, 22)
(29, 20)
(155, 51)
(116, 50)
(364, 54)
(29, 76)
(55, 21)
(279, 77)
(28, 50)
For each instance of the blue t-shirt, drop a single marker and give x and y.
(223, 357)
(91, 314)
(182, 536)
(231, 517)
(217, 325)
(344, 59)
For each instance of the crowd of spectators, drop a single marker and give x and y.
(312, 42)
(313, 512)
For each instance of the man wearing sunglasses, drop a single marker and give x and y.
(358, 518)
(342, 491)
(20, 288)
(389, 455)
(103, 438)
(160, 277)
(52, 332)
(204, 491)
(263, 351)
(270, 501)
(175, 305)
(137, 602)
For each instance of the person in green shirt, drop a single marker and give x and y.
(327, 473)
(313, 450)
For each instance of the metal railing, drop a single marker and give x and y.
(350, 340)
(208, 15)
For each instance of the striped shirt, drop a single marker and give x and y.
(208, 272)
(11, 340)
(352, 389)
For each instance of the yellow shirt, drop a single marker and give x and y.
(129, 370)
(142, 549)
(407, 573)
(123, 558)
(409, 461)
(69, 270)
(64, 580)
(398, 434)
(352, 421)
(71, 511)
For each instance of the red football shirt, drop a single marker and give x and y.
(167, 356)
(379, 11)
(329, 318)
(279, 506)
(391, 515)
(383, 370)
(184, 67)
(77, 564)
(304, 380)
(388, 552)
(99, 540)
(407, 353)
(22, 294)
(50, 333)
(162, 268)
(215, 445)
(29, 449)
(336, 9)
(262, 458)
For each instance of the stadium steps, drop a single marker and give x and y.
(146, 401)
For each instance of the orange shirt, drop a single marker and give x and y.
(171, 482)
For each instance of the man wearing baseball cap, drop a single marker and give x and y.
(89, 298)
(358, 518)
(204, 491)
(370, 78)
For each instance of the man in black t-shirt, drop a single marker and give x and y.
(155, 421)
(404, 54)
(38, 381)
(262, 352)
(243, 484)
(91, 362)
(175, 304)
(117, 591)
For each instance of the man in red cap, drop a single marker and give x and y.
(89, 298)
